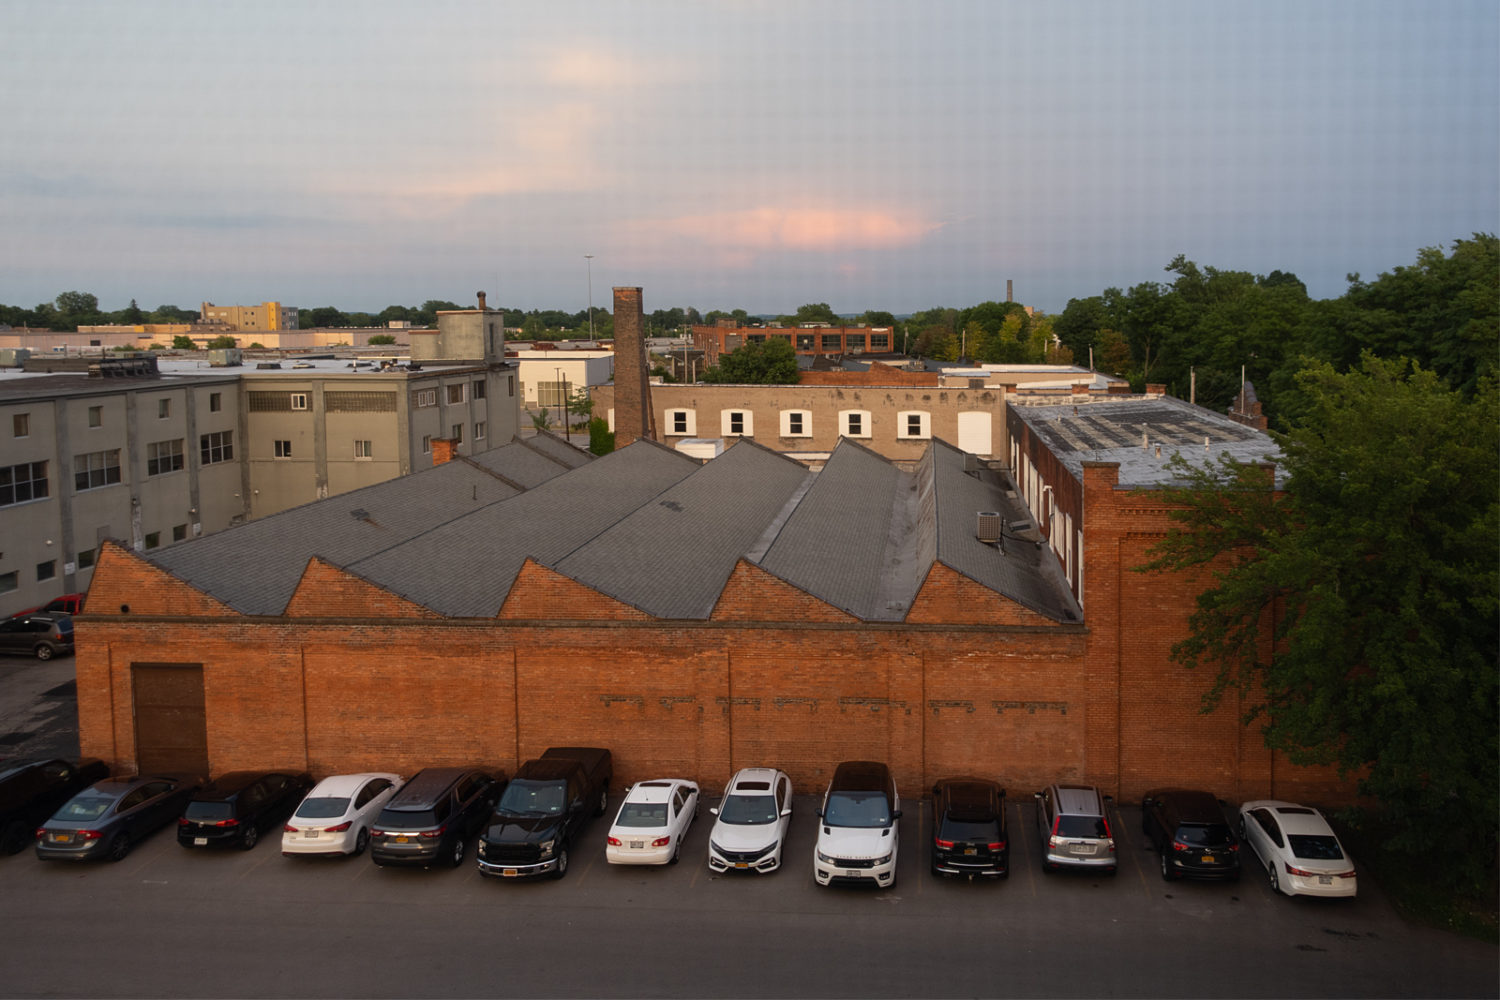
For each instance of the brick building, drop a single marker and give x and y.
(807, 341)
(695, 618)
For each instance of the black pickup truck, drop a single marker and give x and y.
(544, 807)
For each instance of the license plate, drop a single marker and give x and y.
(1209, 859)
(310, 833)
(200, 841)
(62, 838)
(402, 840)
(636, 845)
(741, 864)
(509, 872)
(1325, 880)
(971, 850)
(851, 873)
(1083, 848)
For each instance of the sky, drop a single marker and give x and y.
(872, 154)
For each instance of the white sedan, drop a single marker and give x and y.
(752, 822)
(335, 816)
(1299, 850)
(652, 822)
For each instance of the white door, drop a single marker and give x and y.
(974, 432)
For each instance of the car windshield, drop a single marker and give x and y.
(642, 814)
(408, 819)
(1091, 827)
(954, 829)
(861, 809)
(323, 807)
(1315, 848)
(86, 808)
(1204, 835)
(750, 810)
(532, 798)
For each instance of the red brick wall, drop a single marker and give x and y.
(878, 374)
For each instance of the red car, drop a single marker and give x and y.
(67, 604)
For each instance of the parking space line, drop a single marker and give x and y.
(1030, 872)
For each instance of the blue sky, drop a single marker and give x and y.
(743, 154)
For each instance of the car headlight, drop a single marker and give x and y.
(481, 849)
(715, 848)
(826, 859)
(546, 847)
(883, 861)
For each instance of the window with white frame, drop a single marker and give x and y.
(854, 423)
(682, 423)
(796, 423)
(913, 424)
(164, 407)
(299, 400)
(217, 446)
(456, 393)
(736, 423)
(163, 457)
(96, 469)
(424, 397)
(481, 427)
(283, 449)
(458, 434)
(426, 444)
(364, 449)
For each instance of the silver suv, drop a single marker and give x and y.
(1075, 829)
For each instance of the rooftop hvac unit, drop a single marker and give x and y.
(989, 526)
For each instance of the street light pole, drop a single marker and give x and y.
(563, 381)
(590, 258)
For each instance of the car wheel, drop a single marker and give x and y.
(562, 864)
(361, 841)
(603, 801)
(676, 850)
(250, 837)
(1166, 868)
(45, 652)
(14, 838)
(1274, 879)
(458, 853)
(120, 847)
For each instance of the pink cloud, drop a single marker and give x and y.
(817, 229)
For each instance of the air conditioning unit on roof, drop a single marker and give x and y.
(989, 525)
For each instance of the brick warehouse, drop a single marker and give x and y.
(694, 618)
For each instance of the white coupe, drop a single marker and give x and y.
(1300, 852)
(752, 822)
(652, 822)
(335, 816)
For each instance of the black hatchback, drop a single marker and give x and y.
(237, 807)
(968, 828)
(430, 820)
(31, 791)
(1189, 830)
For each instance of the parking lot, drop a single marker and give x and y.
(170, 922)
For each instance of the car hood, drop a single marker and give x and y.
(520, 829)
(745, 836)
(855, 842)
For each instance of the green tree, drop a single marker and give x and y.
(77, 303)
(132, 314)
(601, 438)
(378, 339)
(220, 342)
(817, 312)
(182, 342)
(768, 362)
(1354, 613)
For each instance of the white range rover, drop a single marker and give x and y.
(857, 831)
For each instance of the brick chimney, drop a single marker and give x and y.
(481, 301)
(633, 413)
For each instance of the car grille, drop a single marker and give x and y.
(743, 857)
(512, 854)
(854, 863)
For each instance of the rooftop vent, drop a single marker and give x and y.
(989, 526)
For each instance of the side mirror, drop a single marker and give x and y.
(713, 810)
(896, 814)
(1147, 802)
(934, 791)
(1109, 800)
(787, 811)
(1037, 796)
(820, 812)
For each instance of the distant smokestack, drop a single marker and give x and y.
(1009, 296)
(634, 417)
(481, 301)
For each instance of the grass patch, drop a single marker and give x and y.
(1422, 888)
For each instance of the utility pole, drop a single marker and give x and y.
(590, 258)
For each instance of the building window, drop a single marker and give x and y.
(96, 469)
(21, 424)
(913, 424)
(456, 393)
(86, 559)
(283, 449)
(426, 444)
(510, 384)
(96, 416)
(20, 483)
(854, 342)
(480, 429)
(9, 581)
(796, 423)
(299, 400)
(363, 449)
(216, 447)
(737, 423)
(215, 402)
(46, 570)
(424, 397)
(832, 343)
(880, 342)
(164, 408)
(163, 456)
(179, 532)
(854, 423)
(477, 392)
(458, 434)
(682, 422)
(806, 342)
(551, 393)
(153, 539)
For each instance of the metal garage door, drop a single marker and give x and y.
(171, 729)
(974, 432)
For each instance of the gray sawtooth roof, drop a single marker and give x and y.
(255, 567)
(464, 568)
(672, 556)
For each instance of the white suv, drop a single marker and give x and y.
(858, 835)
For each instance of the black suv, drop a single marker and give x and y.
(432, 818)
(42, 634)
(240, 806)
(31, 791)
(1189, 830)
(968, 828)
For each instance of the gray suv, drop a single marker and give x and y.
(1074, 829)
(40, 634)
